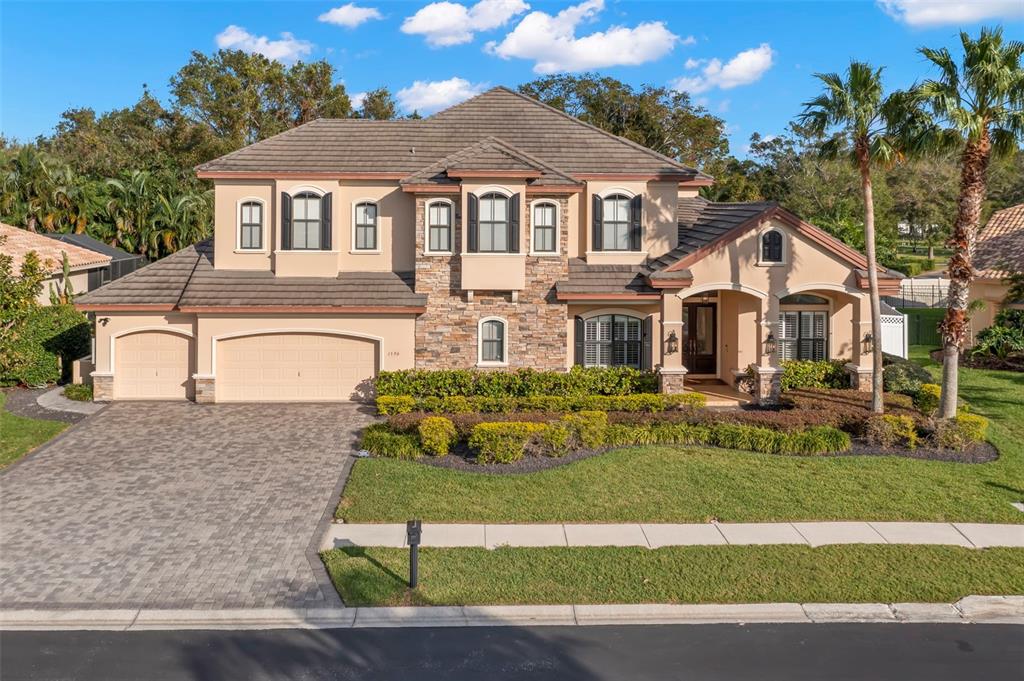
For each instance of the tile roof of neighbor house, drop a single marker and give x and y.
(86, 241)
(187, 279)
(406, 146)
(490, 154)
(1000, 249)
(19, 242)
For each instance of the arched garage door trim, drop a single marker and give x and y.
(263, 332)
(118, 368)
(139, 329)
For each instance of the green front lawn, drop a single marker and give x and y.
(682, 484)
(699, 574)
(20, 435)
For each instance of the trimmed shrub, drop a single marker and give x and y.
(927, 398)
(815, 440)
(576, 382)
(902, 376)
(379, 439)
(814, 374)
(588, 427)
(555, 440)
(399, 404)
(890, 430)
(79, 392)
(502, 442)
(643, 402)
(41, 348)
(960, 432)
(437, 435)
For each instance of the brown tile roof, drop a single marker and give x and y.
(1000, 249)
(406, 146)
(490, 154)
(702, 222)
(187, 279)
(18, 243)
(604, 279)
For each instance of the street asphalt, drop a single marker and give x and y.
(787, 652)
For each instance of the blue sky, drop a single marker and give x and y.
(749, 62)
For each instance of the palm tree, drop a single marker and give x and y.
(979, 109)
(869, 126)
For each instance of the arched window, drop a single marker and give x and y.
(771, 246)
(365, 225)
(250, 226)
(612, 340)
(545, 228)
(439, 227)
(492, 341)
(493, 226)
(615, 223)
(307, 222)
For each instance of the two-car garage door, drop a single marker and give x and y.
(294, 367)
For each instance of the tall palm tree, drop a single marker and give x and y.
(868, 129)
(979, 109)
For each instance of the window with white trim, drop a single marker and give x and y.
(803, 335)
(250, 226)
(492, 341)
(615, 223)
(545, 228)
(612, 340)
(366, 226)
(306, 221)
(493, 229)
(439, 227)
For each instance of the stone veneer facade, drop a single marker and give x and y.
(446, 333)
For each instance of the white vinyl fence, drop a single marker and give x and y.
(894, 334)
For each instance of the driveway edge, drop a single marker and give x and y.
(969, 610)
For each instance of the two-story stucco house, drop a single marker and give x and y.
(497, 233)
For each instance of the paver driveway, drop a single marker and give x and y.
(176, 505)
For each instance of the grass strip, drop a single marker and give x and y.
(20, 435)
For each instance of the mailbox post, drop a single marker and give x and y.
(413, 531)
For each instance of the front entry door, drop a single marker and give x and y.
(700, 345)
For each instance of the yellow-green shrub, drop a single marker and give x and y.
(960, 432)
(588, 427)
(926, 399)
(504, 441)
(379, 439)
(890, 430)
(437, 435)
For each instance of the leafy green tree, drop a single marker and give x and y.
(978, 105)
(378, 105)
(19, 291)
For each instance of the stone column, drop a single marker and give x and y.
(671, 373)
(205, 387)
(102, 386)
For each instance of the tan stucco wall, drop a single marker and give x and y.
(119, 323)
(639, 311)
(228, 195)
(396, 224)
(660, 219)
(992, 293)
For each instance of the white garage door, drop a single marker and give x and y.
(152, 365)
(294, 367)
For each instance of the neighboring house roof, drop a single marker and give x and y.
(1000, 248)
(19, 242)
(86, 241)
(490, 155)
(188, 281)
(604, 281)
(334, 145)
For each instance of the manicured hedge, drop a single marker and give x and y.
(40, 349)
(814, 374)
(576, 382)
(643, 402)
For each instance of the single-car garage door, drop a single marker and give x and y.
(152, 365)
(294, 367)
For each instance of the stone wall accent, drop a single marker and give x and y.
(672, 381)
(860, 377)
(446, 333)
(102, 387)
(205, 389)
(768, 385)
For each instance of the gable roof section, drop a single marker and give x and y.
(489, 156)
(187, 281)
(399, 148)
(19, 242)
(1000, 249)
(86, 241)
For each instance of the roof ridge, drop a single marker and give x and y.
(252, 144)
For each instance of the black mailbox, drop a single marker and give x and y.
(413, 531)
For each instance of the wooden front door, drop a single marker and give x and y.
(700, 346)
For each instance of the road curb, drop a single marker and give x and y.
(969, 610)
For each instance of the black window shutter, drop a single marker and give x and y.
(580, 338)
(597, 208)
(646, 356)
(286, 222)
(472, 224)
(325, 222)
(635, 228)
(513, 224)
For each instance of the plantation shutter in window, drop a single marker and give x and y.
(286, 222)
(325, 222)
(788, 334)
(513, 224)
(596, 211)
(579, 342)
(472, 224)
(646, 353)
(635, 227)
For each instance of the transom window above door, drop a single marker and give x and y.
(613, 340)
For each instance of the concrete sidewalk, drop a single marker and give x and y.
(653, 536)
(969, 610)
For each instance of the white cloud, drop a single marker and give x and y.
(357, 99)
(745, 68)
(449, 23)
(692, 63)
(922, 13)
(430, 96)
(349, 15)
(287, 49)
(688, 40)
(552, 43)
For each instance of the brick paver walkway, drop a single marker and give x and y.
(175, 505)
